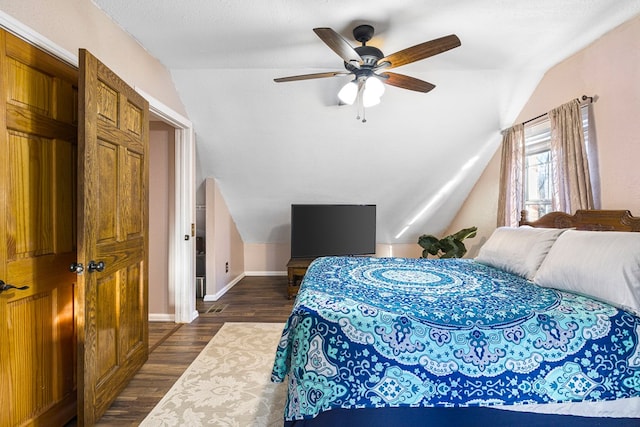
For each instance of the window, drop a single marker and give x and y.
(538, 173)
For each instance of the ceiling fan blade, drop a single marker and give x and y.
(421, 51)
(311, 76)
(406, 82)
(339, 45)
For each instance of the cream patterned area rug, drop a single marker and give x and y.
(229, 383)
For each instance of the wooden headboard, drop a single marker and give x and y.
(599, 220)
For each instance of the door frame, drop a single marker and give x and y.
(181, 251)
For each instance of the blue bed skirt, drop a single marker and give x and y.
(452, 417)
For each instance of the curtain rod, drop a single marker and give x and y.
(584, 99)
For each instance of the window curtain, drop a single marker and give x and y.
(570, 166)
(511, 197)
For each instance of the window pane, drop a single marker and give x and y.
(538, 183)
(538, 180)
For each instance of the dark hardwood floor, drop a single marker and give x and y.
(174, 346)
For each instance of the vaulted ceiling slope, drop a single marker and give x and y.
(418, 155)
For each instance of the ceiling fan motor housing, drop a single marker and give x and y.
(369, 54)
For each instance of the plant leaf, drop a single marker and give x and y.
(451, 247)
(447, 247)
(465, 233)
(430, 244)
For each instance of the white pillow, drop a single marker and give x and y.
(600, 264)
(518, 250)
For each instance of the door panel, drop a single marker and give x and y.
(112, 228)
(38, 146)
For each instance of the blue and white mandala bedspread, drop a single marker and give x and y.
(387, 332)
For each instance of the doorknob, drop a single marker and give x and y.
(95, 266)
(77, 268)
(6, 287)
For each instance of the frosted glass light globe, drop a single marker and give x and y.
(348, 93)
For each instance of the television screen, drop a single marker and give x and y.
(325, 230)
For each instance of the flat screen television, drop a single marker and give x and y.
(332, 230)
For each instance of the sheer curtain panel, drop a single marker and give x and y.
(510, 199)
(570, 167)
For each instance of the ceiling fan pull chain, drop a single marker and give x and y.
(359, 100)
(362, 108)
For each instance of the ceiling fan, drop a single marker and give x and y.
(368, 61)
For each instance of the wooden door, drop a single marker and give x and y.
(112, 304)
(38, 148)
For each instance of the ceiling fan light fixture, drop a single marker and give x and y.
(369, 101)
(373, 91)
(348, 93)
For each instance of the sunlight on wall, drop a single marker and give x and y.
(438, 198)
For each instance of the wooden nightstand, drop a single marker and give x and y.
(296, 269)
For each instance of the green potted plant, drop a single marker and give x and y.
(447, 247)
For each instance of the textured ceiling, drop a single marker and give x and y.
(418, 155)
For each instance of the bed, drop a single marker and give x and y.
(541, 328)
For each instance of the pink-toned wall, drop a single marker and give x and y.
(223, 242)
(609, 70)
(480, 209)
(266, 258)
(161, 160)
(272, 258)
(75, 24)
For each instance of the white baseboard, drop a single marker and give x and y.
(161, 317)
(265, 273)
(170, 317)
(217, 295)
